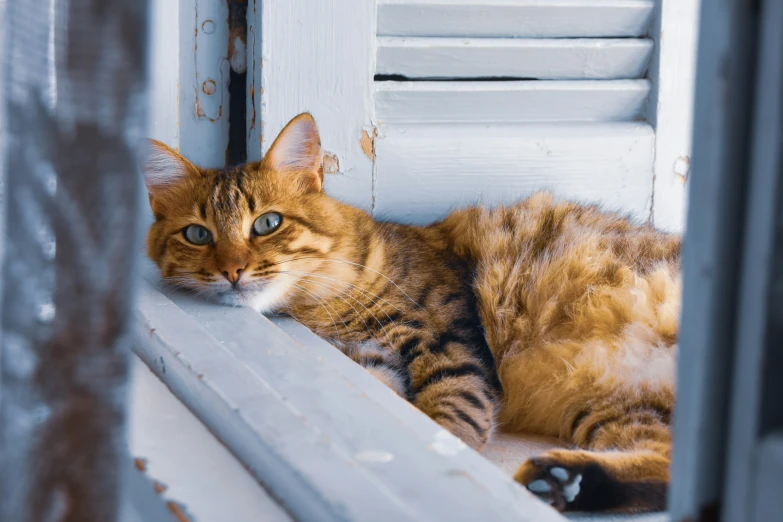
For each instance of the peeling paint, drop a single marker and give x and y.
(444, 443)
(367, 141)
(178, 512)
(682, 168)
(374, 457)
(159, 487)
(331, 163)
(141, 464)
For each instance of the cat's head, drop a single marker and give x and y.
(253, 235)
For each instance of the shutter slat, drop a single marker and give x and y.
(423, 171)
(556, 59)
(513, 101)
(515, 18)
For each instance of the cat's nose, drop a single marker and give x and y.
(233, 271)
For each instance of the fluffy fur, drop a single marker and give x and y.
(545, 317)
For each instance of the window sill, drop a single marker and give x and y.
(325, 438)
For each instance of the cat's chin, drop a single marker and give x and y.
(266, 300)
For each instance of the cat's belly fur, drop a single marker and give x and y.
(578, 313)
(546, 373)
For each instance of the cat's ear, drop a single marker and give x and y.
(297, 153)
(163, 168)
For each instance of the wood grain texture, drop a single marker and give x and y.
(514, 18)
(514, 101)
(545, 59)
(319, 57)
(288, 409)
(423, 171)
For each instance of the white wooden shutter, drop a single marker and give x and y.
(425, 105)
(488, 101)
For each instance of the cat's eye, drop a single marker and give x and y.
(267, 223)
(197, 234)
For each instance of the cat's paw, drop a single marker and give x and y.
(553, 482)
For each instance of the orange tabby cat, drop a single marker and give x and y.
(545, 317)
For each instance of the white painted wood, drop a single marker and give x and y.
(139, 501)
(302, 423)
(514, 101)
(203, 81)
(711, 256)
(545, 59)
(254, 44)
(320, 57)
(163, 59)
(423, 171)
(674, 76)
(757, 360)
(514, 18)
(198, 472)
(767, 503)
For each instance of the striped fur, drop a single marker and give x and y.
(545, 317)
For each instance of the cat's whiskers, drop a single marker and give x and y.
(363, 290)
(321, 302)
(353, 264)
(359, 315)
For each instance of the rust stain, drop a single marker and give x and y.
(331, 163)
(158, 487)
(367, 143)
(178, 512)
(141, 464)
(152, 331)
(199, 111)
(208, 27)
(209, 87)
(252, 123)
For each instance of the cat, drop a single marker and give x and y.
(545, 317)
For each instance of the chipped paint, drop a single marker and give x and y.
(331, 163)
(141, 464)
(444, 443)
(374, 457)
(159, 487)
(682, 168)
(178, 512)
(367, 142)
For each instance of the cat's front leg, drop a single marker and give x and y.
(453, 387)
(383, 364)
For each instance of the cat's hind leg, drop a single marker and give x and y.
(624, 468)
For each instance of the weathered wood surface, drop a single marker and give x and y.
(75, 108)
(323, 436)
(197, 474)
(543, 59)
(515, 18)
(514, 101)
(424, 171)
(711, 256)
(319, 56)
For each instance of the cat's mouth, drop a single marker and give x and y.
(264, 295)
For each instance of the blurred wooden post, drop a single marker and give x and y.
(75, 108)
